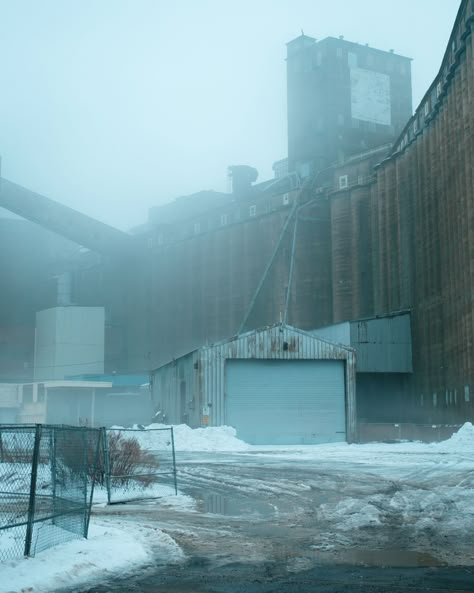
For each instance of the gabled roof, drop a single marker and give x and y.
(284, 328)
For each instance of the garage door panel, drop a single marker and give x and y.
(286, 402)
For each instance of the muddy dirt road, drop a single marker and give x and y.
(262, 524)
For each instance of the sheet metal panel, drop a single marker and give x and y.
(340, 333)
(286, 401)
(383, 345)
(175, 393)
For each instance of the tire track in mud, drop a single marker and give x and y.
(256, 523)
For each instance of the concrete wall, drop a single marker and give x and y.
(9, 403)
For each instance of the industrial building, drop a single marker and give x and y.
(371, 216)
(343, 98)
(94, 401)
(275, 385)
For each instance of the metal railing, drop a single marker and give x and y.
(47, 478)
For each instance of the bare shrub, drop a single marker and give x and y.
(129, 461)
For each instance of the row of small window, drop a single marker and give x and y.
(426, 110)
(344, 181)
(450, 397)
(435, 95)
(224, 220)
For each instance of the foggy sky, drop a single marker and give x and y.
(112, 106)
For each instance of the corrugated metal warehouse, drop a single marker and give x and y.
(277, 385)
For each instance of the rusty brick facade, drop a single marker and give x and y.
(423, 233)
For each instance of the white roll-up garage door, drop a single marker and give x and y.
(287, 402)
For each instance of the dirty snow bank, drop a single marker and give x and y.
(224, 439)
(212, 438)
(459, 446)
(462, 439)
(110, 547)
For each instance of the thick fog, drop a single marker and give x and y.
(113, 106)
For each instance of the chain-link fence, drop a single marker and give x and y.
(139, 464)
(46, 486)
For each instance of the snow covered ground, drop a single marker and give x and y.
(436, 495)
(112, 546)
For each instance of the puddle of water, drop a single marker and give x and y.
(381, 558)
(218, 504)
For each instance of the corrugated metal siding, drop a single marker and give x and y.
(270, 344)
(286, 401)
(204, 369)
(174, 404)
(383, 345)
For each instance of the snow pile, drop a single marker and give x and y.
(211, 439)
(461, 440)
(350, 514)
(224, 439)
(107, 550)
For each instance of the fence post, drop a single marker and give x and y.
(105, 445)
(174, 463)
(31, 504)
(94, 476)
(52, 455)
(85, 452)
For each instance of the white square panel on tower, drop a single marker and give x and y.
(370, 96)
